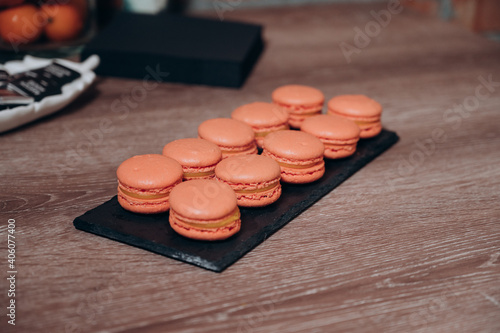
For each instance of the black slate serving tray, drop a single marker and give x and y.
(153, 232)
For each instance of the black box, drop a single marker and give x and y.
(192, 50)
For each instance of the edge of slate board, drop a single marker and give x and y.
(111, 221)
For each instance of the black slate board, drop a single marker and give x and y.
(190, 49)
(153, 232)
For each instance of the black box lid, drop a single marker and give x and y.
(192, 50)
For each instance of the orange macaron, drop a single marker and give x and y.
(364, 111)
(145, 183)
(232, 136)
(204, 210)
(264, 118)
(299, 154)
(338, 134)
(197, 157)
(300, 101)
(254, 178)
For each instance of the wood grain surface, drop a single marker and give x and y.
(411, 243)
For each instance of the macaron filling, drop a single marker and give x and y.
(369, 129)
(194, 172)
(150, 194)
(302, 116)
(302, 109)
(336, 148)
(257, 194)
(256, 190)
(144, 196)
(338, 142)
(198, 174)
(365, 124)
(333, 145)
(259, 199)
(296, 119)
(299, 166)
(360, 119)
(249, 149)
(336, 151)
(224, 222)
(295, 175)
(294, 164)
(266, 131)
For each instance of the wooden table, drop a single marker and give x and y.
(411, 243)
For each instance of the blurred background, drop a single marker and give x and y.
(38, 26)
(481, 16)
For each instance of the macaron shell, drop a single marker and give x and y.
(339, 151)
(331, 127)
(294, 145)
(259, 199)
(370, 130)
(191, 173)
(148, 172)
(296, 119)
(261, 133)
(226, 132)
(302, 176)
(298, 95)
(193, 152)
(203, 200)
(261, 115)
(248, 169)
(259, 141)
(250, 149)
(355, 106)
(143, 206)
(207, 234)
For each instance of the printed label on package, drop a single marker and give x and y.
(42, 82)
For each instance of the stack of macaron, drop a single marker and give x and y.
(203, 181)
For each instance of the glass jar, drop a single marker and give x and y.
(46, 28)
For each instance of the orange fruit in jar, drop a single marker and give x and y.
(21, 24)
(64, 22)
(81, 6)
